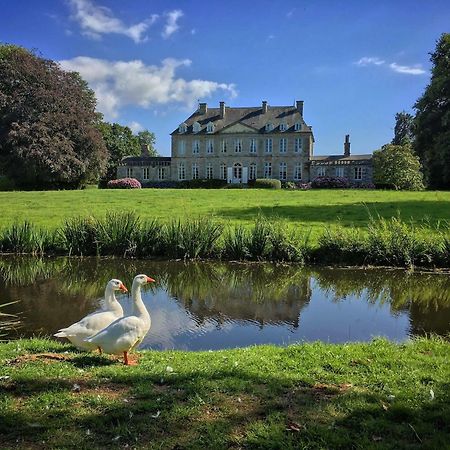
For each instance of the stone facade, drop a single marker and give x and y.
(241, 144)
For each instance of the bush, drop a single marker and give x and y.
(24, 237)
(203, 184)
(330, 183)
(295, 185)
(267, 183)
(124, 183)
(6, 184)
(363, 185)
(161, 184)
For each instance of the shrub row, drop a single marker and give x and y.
(387, 242)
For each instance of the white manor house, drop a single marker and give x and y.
(242, 144)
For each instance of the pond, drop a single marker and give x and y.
(202, 306)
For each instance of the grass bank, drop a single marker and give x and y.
(306, 209)
(373, 395)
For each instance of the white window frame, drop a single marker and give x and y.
(223, 171)
(298, 126)
(269, 145)
(196, 127)
(321, 171)
(298, 172)
(358, 173)
(209, 171)
(267, 169)
(181, 147)
(252, 145)
(195, 147)
(283, 145)
(339, 171)
(283, 171)
(210, 127)
(269, 127)
(161, 173)
(146, 173)
(194, 171)
(298, 146)
(129, 172)
(181, 171)
(238, 145)
(283, 127)
(182, 128)
(252, 171)
(210, 146)
(224, 146)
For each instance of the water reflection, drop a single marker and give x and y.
(218, 305)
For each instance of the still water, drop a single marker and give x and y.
(221, 305)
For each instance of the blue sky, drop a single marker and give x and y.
(354, 63)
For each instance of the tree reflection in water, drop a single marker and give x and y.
(56, 292)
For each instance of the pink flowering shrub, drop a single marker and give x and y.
(330, 183)
(124, 183)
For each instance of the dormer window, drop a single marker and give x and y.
(210, 127)
(182, 128)
(283, 127)
(196, 127)
(269, 126)
(298, 126)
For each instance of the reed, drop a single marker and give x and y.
(78, 237)
(24, 237)
(236, 243)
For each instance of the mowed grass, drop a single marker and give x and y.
(377, 395)
(311, 209)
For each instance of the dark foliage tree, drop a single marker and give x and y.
(397, 166)
(404, 129)
(120, 142)
(147, 138)
(48, 134)
(432, 127)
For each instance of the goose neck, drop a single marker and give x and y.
(139, 308)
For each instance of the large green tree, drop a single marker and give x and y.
(397, 166)
(432, 127)
(404, 128)
(48, 134)
(147, 138)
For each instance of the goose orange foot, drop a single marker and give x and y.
(127, 361)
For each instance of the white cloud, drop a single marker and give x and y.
(411, 70)
(367, 60)
(372, 60)
(121, 83)
(97, 20)
(135, 126)
(171, 25)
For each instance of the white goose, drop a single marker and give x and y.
(126, 333)
(110, 311)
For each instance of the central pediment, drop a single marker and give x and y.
(238, 128)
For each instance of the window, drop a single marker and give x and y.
(161, 173)
(269, 127)
(209, 171)
(210, 127)
(196, 127)
(146, 173)
(252, 172)
(358, 171)
(181, 171)
(182, 128)
(283, 145)
(321, 171)
(129, 172)
(269, 145)
(210, 146)
(339, 171)
(252, 145)
(238, 145)
(181, 147)
(283, 171)
(298, 171)
(267, 170)
(283, 127)
(224, 146)
(298, 126)
(195, 171)
(196, 147)
(237, 171)
(298, 145)
(223, 171)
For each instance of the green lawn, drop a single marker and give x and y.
(309, 208)
(311, 396)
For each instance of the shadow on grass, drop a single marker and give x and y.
(222, 409)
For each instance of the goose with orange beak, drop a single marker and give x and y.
(109, 311)
(125, 334)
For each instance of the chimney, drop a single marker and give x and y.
(202, 108)
(145, 150)
(264, 107)
(299, 106)
(347, 145)
(222, 109)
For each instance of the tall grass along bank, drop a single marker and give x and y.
(373, 395)
(386, 242)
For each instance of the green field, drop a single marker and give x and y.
(311, 209)
(376, 395)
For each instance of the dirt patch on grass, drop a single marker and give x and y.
(46, 357)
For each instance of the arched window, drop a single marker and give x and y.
(196, 127)
(283, 127)
(269, 127)
(237, 171)
(252, 172)
(210, 127)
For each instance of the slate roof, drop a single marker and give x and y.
(252, 117)
(145, 160)
(340, 159)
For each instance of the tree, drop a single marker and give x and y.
(48, 135)
(120, 142)
(397, 166)
(404, 128)
(148, 138)
(432, 124)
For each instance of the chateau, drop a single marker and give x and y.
(242, 144)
